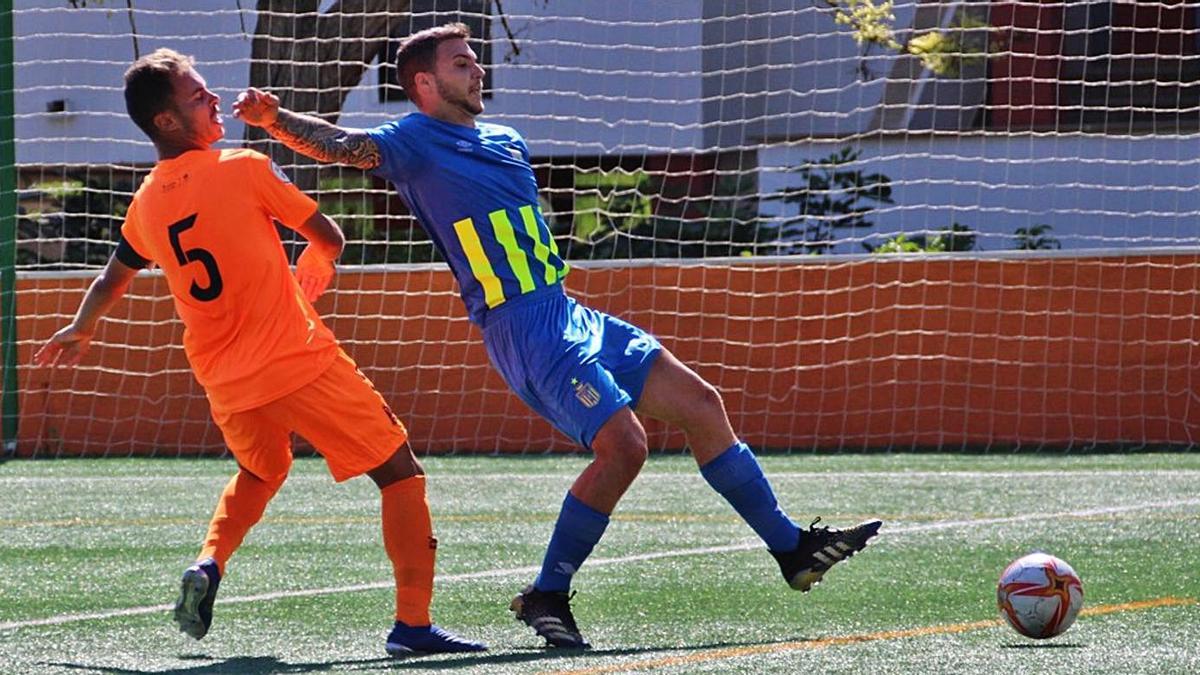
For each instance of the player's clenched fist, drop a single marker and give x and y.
(256, 107)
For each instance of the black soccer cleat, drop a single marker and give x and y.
(548, 613)
(821, 548)
(193, 610)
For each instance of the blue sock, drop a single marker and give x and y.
(736, 474)
(578, 529)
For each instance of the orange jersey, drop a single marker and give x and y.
(206, 219)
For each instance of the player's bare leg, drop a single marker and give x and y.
(619, 451)
(676, 394)
(402, 464)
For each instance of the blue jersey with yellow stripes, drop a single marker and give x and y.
(474, 192)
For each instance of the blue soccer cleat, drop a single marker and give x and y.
(405, 640)
(193, 610)
(821, 548)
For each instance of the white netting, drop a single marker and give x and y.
(760, 155)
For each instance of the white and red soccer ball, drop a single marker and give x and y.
(1039, 595)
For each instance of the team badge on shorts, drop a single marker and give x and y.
(586, 393)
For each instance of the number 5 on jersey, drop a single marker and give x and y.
(196, 255)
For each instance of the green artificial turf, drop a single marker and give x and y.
(91, 552)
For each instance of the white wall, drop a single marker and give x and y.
(638, 77)
(81, 54)
(1096, 191)
(785, 69)
(581, 85)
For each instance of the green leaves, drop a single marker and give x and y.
(944, 52)
(833, 194)
(870, 21)
(1036, 238)
(955, 239)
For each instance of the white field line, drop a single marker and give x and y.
(791, 475)
(744, 545)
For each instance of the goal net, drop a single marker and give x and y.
(872, 225)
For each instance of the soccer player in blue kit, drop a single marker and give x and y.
(471, 186)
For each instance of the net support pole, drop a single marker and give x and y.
(8, 236)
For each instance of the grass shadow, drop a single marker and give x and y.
(270, 665)
(253, 665)
(1044, 645)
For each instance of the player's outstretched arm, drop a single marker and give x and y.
(305, 134)
(71, 343)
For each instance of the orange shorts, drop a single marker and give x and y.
(340, 413)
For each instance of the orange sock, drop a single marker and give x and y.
(240, 507)
(408, 538)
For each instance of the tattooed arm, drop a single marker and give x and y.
(307, 135)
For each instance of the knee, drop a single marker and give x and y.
(625, 451)
(403, 464)
(710, 399)
(694, 406)
(703, 405)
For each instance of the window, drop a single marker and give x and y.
(1129, 65)
(427, 14)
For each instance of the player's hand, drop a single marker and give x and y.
(65, 348)
(313, 273)
(256, 107)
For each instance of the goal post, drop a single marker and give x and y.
(9, 413)
(966, 225)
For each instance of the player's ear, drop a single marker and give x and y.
(423, 83)
(165, 122)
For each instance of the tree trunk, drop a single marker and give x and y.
(311, 60)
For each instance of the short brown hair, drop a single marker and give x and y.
(148, 86)
(418, 52)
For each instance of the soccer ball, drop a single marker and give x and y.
(1039, 595)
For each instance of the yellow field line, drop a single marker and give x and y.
(942, 629)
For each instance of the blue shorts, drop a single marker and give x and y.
(573, 365)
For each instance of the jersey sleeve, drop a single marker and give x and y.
(130, 249)
(520, 141)
(279, 197)
(397, 153)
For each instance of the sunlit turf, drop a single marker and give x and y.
(96, 537)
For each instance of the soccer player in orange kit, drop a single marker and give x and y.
(267, 363)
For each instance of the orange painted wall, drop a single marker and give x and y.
(899, 353)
